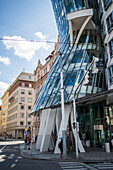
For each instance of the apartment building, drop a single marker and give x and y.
(40, 75)
(21, 99)
(4, 113)
(0, 120)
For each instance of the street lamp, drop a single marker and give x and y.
(62, 105)
(85, 81)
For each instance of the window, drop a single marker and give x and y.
(29, 77)
(29, 123)
(22, 107)
(38, 77)
(111, 48)
(21, 115)
(22, 99)
(30, 92)
(109, 21)
(30, 85)
(29, 100)
(22, 91)
(29, 115)
(23, 84)
(29, 107)
(21, 123)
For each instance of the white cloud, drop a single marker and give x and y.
(3, 87)
(40, 35)
(25, 49)
(5, 60)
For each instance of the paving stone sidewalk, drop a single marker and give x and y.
(91, 155)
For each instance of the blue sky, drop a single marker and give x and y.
(24, 20)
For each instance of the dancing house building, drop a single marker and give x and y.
(80, 30)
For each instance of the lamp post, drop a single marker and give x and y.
(85, 77)
(63, 111)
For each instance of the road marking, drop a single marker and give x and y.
(11, 156)
(16, 160)
(13, 165)
(19, 157)
(2, 148)
(72, 166)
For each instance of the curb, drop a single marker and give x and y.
(64, 160)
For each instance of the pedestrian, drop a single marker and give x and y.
(35, 138)
(112, 143)
(29, 143)
(25, 143)
(68, 143)
(60, 146)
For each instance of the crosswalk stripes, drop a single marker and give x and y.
(103, 166)
(72, 166)
(11, 156)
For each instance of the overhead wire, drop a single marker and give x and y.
(40, 41)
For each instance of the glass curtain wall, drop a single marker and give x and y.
(95, 121)
(75, 58)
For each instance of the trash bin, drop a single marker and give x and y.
(107, 147)
(88, 143)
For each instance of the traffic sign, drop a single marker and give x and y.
(26, 132)
(26, 129)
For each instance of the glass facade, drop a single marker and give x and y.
(95, 121)
(111, 48)
(110, 22)
(75, 58)
(107, 3)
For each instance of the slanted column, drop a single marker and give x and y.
(67, 112)
(41, 129)
(71, 32)
(49, 125)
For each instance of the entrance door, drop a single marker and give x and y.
(98, 139)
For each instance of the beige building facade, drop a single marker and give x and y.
(21, 99)
(4, 113)
(0, 120)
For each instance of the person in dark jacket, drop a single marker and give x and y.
(29, 143)
(60, 145)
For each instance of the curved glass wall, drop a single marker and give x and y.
(75, 58)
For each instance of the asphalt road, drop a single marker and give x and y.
(10, 158)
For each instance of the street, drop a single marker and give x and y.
(10, 158)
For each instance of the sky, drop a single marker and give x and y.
(24, 20)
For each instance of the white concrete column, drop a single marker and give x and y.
(58, 119)
(67, 112)
(71, 32)
(41, 129)
(50, 120)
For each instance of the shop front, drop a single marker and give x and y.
(96, 122)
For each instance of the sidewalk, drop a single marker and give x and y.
(9, 139)
(91, 155)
